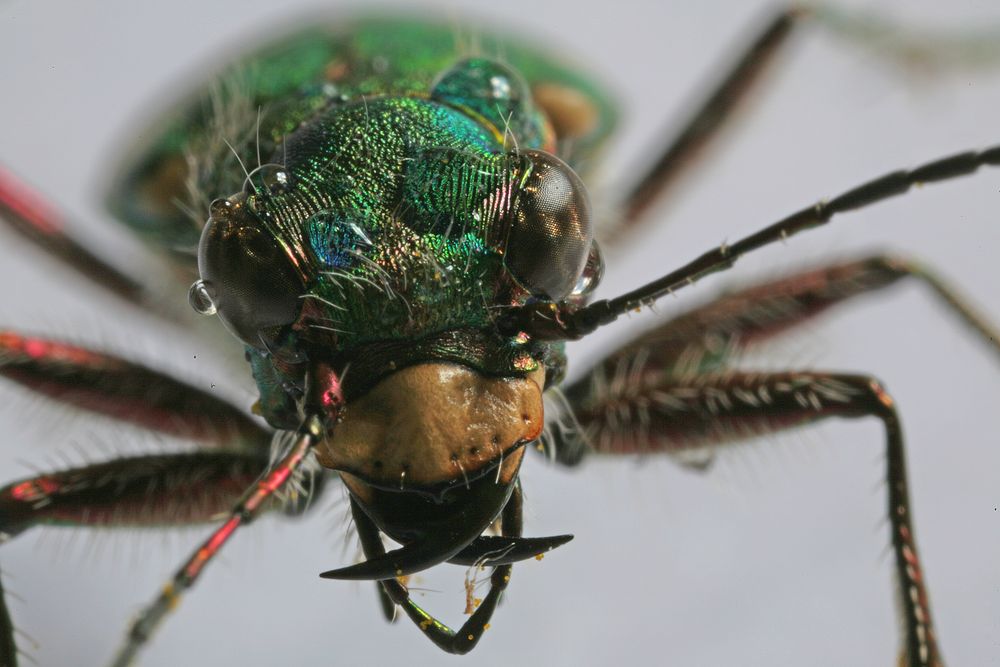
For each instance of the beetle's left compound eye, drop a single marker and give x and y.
(247, 276)
(549, 231)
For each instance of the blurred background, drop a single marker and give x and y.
(777, 556)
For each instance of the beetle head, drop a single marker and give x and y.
(431, 454)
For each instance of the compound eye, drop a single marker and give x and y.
(246, 275)
(550, 233)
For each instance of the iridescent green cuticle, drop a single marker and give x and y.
(398, 162)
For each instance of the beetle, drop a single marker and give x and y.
(820, 187)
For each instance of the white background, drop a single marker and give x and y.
(771, 559)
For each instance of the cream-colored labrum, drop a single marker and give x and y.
(432, 423)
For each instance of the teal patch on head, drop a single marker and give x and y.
(337, 243)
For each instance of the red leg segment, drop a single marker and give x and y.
(243, 513)
(127, 391)
(29, 215)
(144, 491)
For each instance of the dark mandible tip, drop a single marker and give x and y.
(486, 550)
(411, 558)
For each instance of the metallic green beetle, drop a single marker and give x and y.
(402, 241)
(403, 202)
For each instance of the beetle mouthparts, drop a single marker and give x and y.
(433, 532)
(411, 558)
(486, 550)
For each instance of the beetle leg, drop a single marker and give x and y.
(466, 638)
(739, 85)
(153, 490)
(756, 314)
(704, 339)
(250, 504)
(26, 213)
(127, 391)
(142, 491)
(706, 122)
(674, 416)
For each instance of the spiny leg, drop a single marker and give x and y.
(758, 313)
(126, 391)
(142, 490)
(153, 490)
(704, 339)
(28, 214)
(567, 321)
(466, 638)
(669, 415)
(252, 502)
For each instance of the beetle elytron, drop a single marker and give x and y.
(389, 217)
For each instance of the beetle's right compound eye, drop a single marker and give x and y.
(247, 277)
(548, 232)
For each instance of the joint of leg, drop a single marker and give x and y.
(886, 406)
(895, 263)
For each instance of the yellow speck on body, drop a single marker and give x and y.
(424, 624)
(171, 595)
(539, 556)
(471, 637)
(486, 627)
